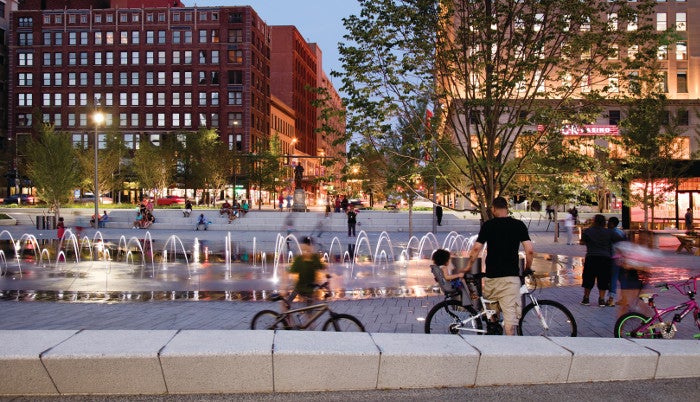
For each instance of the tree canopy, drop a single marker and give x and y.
(488, 72)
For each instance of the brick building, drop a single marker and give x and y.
(151, 70)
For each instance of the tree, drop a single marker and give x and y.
(648, 138)
(53, 167)
(265, 169)
(109, 172)
(154, 166)
(489, 71)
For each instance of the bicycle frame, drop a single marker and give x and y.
(687, 307)
(490, 313)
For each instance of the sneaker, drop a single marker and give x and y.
(601, 302)
(585, 302)
(611, 302)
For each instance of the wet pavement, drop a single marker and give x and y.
(386, 297)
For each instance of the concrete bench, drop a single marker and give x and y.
(156, 362)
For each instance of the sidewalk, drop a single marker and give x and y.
(383, 312)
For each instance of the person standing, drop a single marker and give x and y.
(569, 224)
(597, 264)
(689, 220)
(188, 209)
(438, 213)
(352, 220)
(344, 204)
(613, 221)
(60, 228)
(503, 236)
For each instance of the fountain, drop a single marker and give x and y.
(141, 268)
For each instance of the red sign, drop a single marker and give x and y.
(587, 129)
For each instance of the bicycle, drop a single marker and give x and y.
(638, 325)
(304, 318)
(539, 317)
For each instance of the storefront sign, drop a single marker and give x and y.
(588, 129)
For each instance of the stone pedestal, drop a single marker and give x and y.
(299, 200)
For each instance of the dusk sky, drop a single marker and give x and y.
(319, 21)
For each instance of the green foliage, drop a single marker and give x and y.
(52, 165)
(490, 71)
(154, 166)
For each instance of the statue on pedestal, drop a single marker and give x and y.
(298, 175)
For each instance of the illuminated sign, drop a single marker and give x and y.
(587, 129)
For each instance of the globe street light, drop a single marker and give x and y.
(98, 118)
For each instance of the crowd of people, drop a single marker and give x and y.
(235, 210)
(144, 216)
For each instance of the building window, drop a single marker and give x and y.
(235, 56)
(98, 38)
(176, 57)
(84, 38)
(235, 35)
(26, 59)
(47, 38)
(235, 17)
(25, 39)
(215, 99)
(176, 37)
(214, 36)
(203, 36)
(202, 99)
(188, 57)
(109, 58)
(681, 50)
(176, 78)
(135, 78)
(83, 58)
(661, 21)
(161, 98)
(150, 37)
(680, 21)
(135, 38)
(176, 98)
(235, 98)
(187, 36)
(187, 101)
(25, 79)
(161, 77)
(24, 99)
(135, 58)
(683, 118)
(662, 53)
(682, 82)
(235, 77)
(214, 57)
(161, 37)
(614, 117)
(109, 38)
(214, 77)
(161, 57)
(58, 79)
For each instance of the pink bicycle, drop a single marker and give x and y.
(663, 323)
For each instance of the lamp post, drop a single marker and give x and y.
(98, 119)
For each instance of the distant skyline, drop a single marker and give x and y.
(318, 21)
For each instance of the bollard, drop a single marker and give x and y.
(41, 222)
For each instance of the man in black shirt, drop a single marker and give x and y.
(352, 220)
(503, 236)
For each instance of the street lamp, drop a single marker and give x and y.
(98, 118)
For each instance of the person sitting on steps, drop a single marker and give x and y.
(202, 221)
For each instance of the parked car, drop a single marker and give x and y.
(22, 199)
(90, 198)
(357, 203)
(170, 200)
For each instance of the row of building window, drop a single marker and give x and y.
(129, 16)
(135, 120)
(134, 78)
(186, 57)
(234, 98)
(82, 38)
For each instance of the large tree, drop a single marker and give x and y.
(53, 166)
(110, 174)
(490, 71)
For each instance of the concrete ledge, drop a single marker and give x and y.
(677, 359)
(520, 360)
(109, 362)
(608, 359)
(324, 361)
(45, 362)
(20, 351)
(443, 361)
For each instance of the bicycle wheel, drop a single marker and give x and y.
(267, 319)
(628, 326)
(559, 320)
(447, 316)
(343, 323)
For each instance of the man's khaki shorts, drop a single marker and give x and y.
(506, 291)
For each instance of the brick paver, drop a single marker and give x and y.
(389, 314)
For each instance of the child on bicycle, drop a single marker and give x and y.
(306, 265)
(441, 258)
